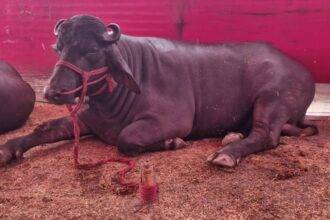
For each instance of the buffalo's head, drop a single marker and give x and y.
(88, 44)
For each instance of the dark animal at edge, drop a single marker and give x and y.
(168, 92)
(17, 98)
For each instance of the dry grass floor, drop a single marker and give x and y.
(292, 181)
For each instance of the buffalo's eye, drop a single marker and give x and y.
(92, 53)
(89, 49)
(93, 56)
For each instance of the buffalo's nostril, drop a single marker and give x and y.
(51, 94)
(56, 96)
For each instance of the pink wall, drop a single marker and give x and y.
(300, 28)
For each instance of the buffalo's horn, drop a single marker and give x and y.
(57, 25)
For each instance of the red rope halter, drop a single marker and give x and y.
(73, 114)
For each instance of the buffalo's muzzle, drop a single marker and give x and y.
(56, 97)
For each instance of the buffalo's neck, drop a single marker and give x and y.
(117, 104)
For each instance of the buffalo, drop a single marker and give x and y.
(17, 98)
(153, 94)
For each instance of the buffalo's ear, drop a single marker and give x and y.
(119, 69)
(112, 34)
(57, 25)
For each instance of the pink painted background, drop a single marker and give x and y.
(301, 28)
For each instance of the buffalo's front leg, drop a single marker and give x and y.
(48, 132)
(151, 135)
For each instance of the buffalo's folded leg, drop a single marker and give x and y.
(269, 116)
(169, 144)
(151, 135)
(48, 132)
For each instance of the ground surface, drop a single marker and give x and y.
(292, 181)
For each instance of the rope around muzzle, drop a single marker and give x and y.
(121, 174)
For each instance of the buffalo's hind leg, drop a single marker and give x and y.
(48, 132)
(299, 130)
(269, 116)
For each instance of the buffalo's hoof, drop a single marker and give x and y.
(231, 137)
(175, 143)
(7, 154)
(309, 131)
(223, 159)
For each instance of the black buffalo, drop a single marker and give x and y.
(170, 91)
(16, 98)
